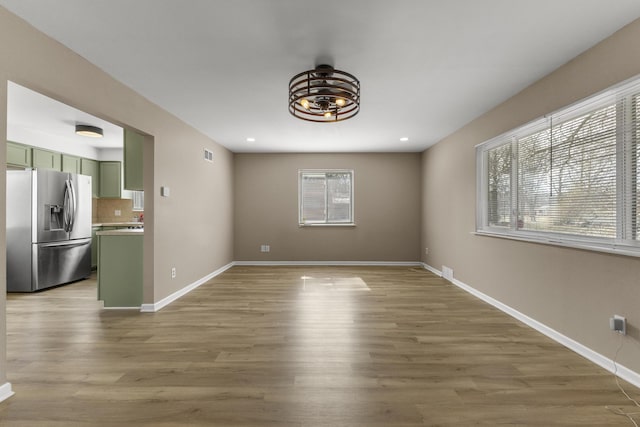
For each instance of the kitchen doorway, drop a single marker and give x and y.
(41, 134)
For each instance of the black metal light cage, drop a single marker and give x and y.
(324, 89)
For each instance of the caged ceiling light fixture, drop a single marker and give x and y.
(324, 94)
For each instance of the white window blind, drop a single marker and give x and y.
(326, 197)
(499, 159)
(630, 162)
(138, 200)
(567, 176)
(314, 198)
(570, 178)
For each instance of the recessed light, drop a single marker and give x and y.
(250, 139)
(404, 139)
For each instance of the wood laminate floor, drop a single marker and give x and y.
(296, 346)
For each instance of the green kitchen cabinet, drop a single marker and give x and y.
(133, 177)
(18, 155)
(91, 168)
(45, 159)
(120, 270)
(71, 164)
(94, 247)
(94, 241)
(110, 179)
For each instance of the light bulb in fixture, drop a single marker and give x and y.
(305, 103)
(341, 102)
(404, 139)
(327, 114)
(250, 139)
(90, 131)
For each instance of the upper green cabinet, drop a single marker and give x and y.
(71, 164)
(46, 159)
(110, 179)
(91, 168)
(106, 177)
(18, 155)
(133, 177)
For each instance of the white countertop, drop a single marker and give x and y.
(122, 232)
(118, 224)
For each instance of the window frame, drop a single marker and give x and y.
(327, 222)
(624, 242)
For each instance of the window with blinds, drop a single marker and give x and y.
(138, 200)
(570, 178)
(634, 172)
(325, 197)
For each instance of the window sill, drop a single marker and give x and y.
(610, 248)
(346, 224)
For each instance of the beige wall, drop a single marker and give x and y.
(387, 209)
(3, 230)
(572, 291)
(192, 229)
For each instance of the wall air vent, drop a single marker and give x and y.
(208, 155)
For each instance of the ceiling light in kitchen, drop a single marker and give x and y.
(90, 131)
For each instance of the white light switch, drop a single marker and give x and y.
(164, 191)
(118, 212)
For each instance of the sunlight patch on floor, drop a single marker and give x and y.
(311, 284)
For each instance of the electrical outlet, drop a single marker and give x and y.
(118, 212)
(173, 272)
(618, 324)
(265, 248)
(426, 251)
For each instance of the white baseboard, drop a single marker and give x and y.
(5, 391)
(431, 269)
(597, 358)
(331, 263)
(152, 308)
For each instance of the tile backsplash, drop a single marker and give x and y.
(104, 210)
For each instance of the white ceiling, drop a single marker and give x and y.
(35, 119)
(427, 67)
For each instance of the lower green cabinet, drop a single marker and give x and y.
(120, 269)
(94, 247)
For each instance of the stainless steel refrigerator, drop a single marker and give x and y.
(48, 229)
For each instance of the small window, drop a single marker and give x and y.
(138, 200)
(325, 197)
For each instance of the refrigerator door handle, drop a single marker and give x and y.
(69, 206)
(65, 207)
(68, 243)
(74, 206)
